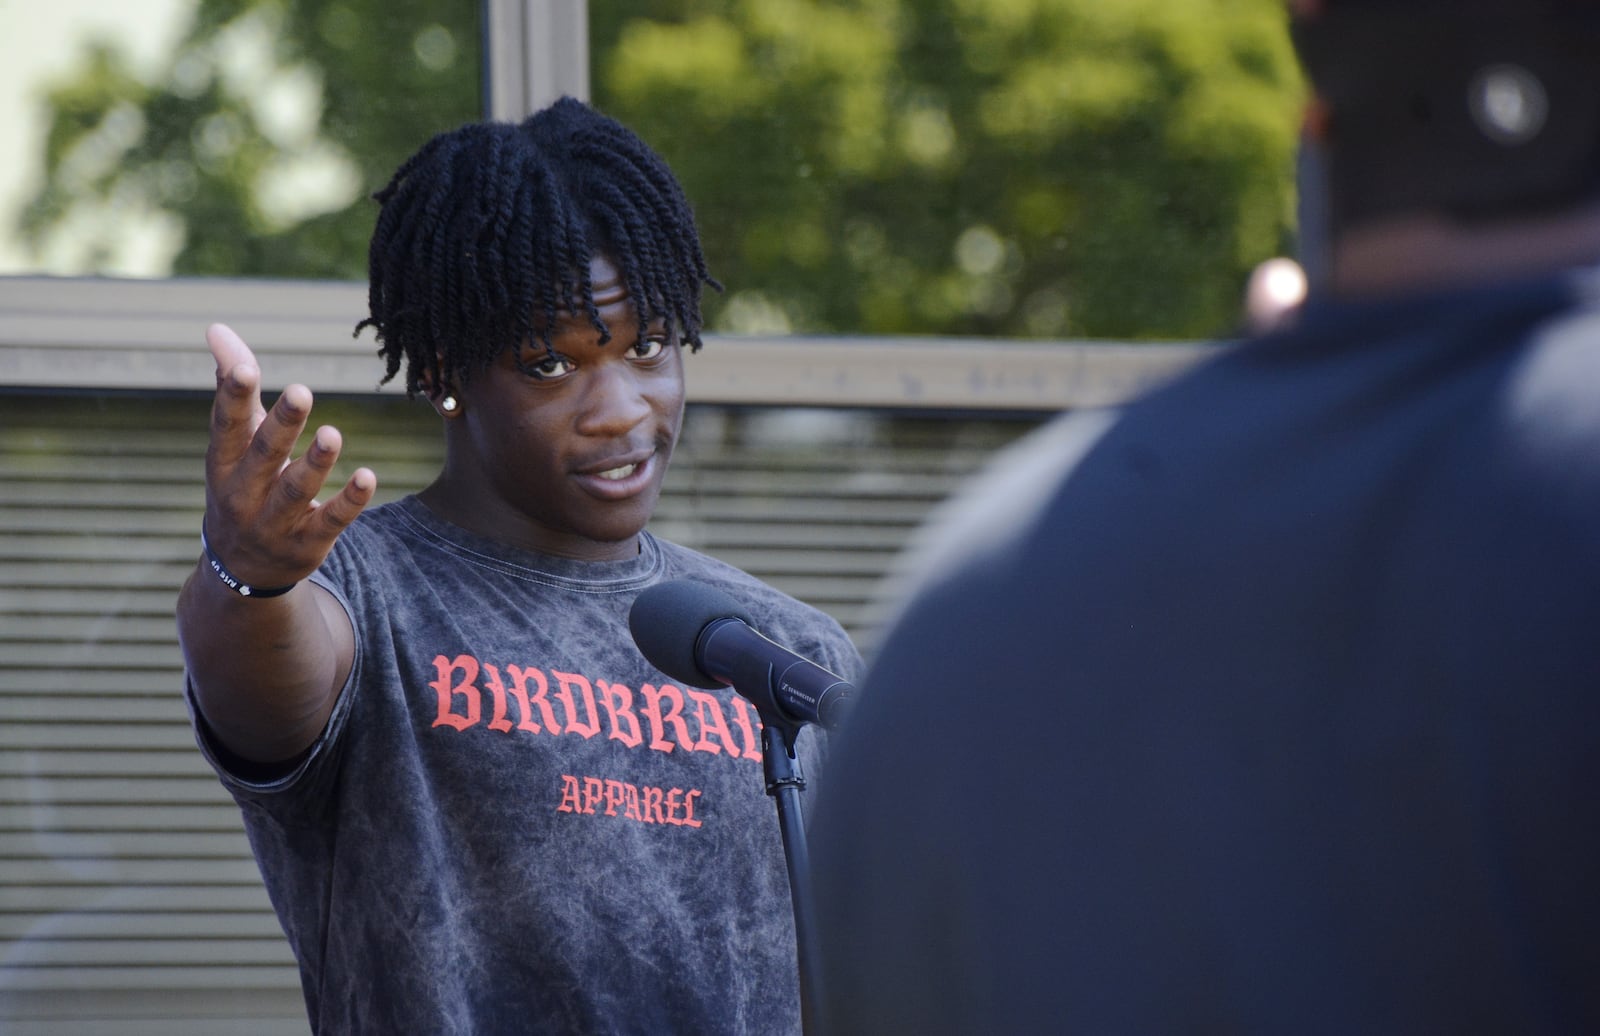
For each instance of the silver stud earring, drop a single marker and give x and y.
(449, 404)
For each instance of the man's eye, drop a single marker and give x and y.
(550, 367)
(649, 348)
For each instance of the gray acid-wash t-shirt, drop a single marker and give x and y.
(513, 823)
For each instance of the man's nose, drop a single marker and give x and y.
(614, 400)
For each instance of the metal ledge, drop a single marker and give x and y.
(59, 333)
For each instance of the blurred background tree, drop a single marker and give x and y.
(1031, 168)
(263, 140)
(993, 167)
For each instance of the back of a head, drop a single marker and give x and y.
(1475, 110)
(486, 233)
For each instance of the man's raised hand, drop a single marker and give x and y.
(262, 514)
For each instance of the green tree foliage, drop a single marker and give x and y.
(259, 94)
(1107, 168)
(1104, 168)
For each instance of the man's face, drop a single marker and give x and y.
(565, 454)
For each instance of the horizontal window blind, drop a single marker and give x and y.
(129, 902)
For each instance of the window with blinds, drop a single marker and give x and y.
(129, 901)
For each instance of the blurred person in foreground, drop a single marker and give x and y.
(476, 807)
(1272, 703)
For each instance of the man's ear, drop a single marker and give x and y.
(441, 395)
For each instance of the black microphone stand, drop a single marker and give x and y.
(755, 679)
(660, 619)
(785, 782)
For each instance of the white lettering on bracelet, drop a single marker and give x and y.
(233, 582)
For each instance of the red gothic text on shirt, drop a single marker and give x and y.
(526, 699)
(602, 796)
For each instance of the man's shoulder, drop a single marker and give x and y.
(683, 562)
(1006, 498)
(1548, 408)
(367, 548)
(1563, 353)
(776, 613)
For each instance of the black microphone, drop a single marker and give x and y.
(700, 636)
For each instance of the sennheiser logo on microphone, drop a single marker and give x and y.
(796, 692)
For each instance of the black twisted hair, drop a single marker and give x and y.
(486, 233)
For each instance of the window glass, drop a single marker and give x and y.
(158, 138)
(1029, 168)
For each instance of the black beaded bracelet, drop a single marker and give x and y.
(233, 582)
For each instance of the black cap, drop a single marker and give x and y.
(1479, 108)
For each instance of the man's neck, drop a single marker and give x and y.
(1418, 253)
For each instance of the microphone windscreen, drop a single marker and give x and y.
(666, 621)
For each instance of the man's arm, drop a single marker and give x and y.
(266, 671)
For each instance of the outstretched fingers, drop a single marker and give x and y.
(250, 445)
(237, 409)
(261, 501)
(273, 442)
(297, 488)
(336, 514)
